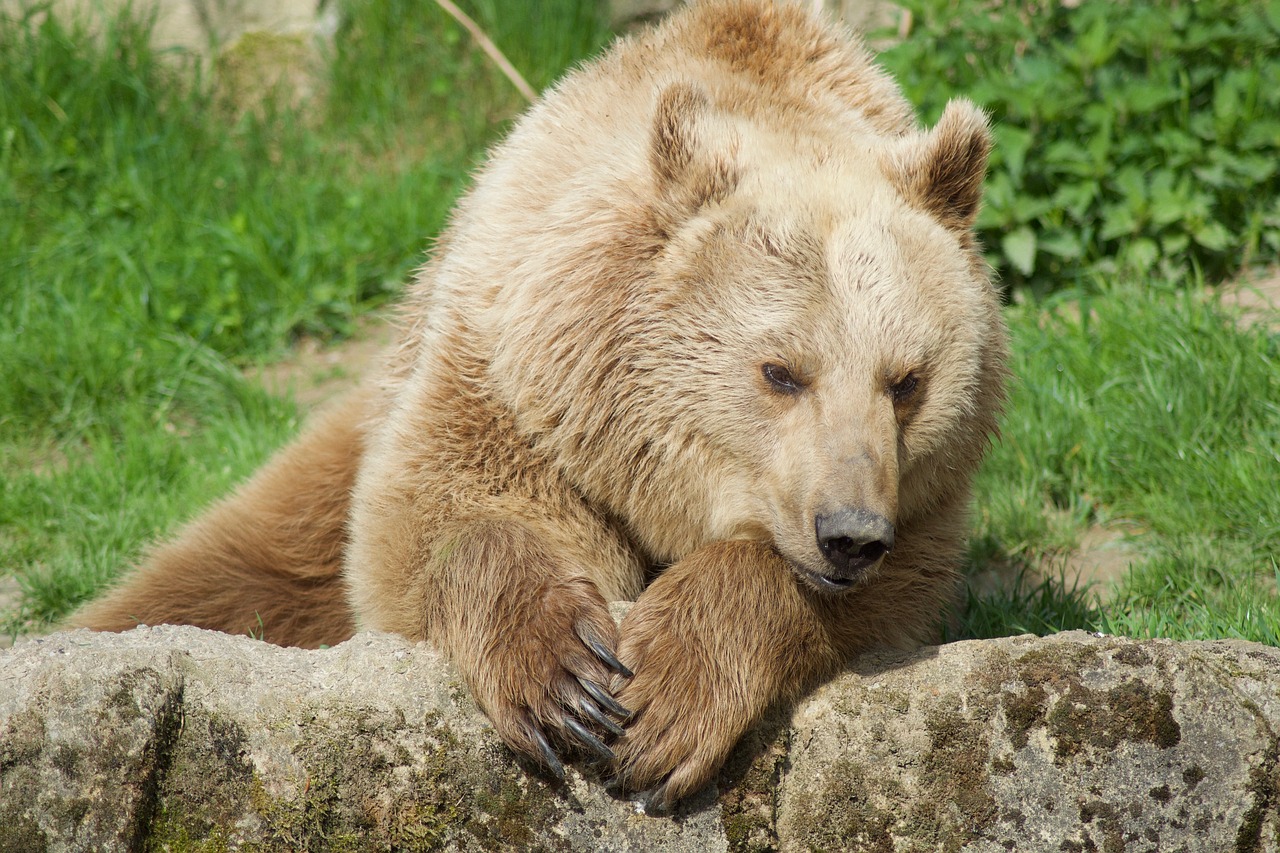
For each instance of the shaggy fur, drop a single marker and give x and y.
(715, 287)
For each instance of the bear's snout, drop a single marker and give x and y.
(852, 540)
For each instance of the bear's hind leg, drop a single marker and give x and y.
(265, 561)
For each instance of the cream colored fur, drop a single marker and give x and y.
(578, 410)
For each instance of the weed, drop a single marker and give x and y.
(1131, 137)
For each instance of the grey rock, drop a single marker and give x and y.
(625, 15)
(1063, 743)
(202, 26)
(276, 47)
(176, 738)
(81, 747)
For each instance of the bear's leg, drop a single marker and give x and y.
(534, 637)
(267, 560)
(510, 599)
(464, 535)
(715, 640)
(729, 631)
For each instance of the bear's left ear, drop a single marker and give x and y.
(941, 171)
(691, 149)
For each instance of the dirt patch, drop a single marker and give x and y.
(314, 372)
(1257, 296)
(10, 611)
(1102, 558)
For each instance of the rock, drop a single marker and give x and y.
(629, 14)
(253, 47)
(176, 738)
(202, 25)
(1070, 742)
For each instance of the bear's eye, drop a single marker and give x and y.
(781, 379)
(904, 388)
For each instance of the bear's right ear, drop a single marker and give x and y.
(942, 171)
(683, 152)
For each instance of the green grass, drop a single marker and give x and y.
(1145, 407)
(156, 239)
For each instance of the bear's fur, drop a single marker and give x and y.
(711, 332)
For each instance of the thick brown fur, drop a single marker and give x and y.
(580, 408)
(268, 560)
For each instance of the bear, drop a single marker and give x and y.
(712, 333)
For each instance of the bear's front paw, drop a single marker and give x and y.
(542, 671)
(690, 703)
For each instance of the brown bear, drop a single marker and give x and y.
(712, 333)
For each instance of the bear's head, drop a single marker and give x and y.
(819, 331)
(757, 324)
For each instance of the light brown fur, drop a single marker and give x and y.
(579, 409)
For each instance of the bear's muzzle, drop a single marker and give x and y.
(852, 540)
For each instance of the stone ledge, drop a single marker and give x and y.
(176, 738)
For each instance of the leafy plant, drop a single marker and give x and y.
(1131, 136)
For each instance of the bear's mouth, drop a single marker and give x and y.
(830, 583)
(852, 542)
(827, 579)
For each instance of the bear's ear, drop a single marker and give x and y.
(687, 149)
(942, 171)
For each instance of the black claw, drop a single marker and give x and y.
(548, 755)
(587, 739)
(591, 710)
(609, 660)
(597, 646)
(602, 696)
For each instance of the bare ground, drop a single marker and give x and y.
(1257, 295)
(314, 372)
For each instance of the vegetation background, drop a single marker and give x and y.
(164, 239)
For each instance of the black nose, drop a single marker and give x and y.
(852, 540)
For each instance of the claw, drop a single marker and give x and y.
(597, 646)
(654, 801)
(588, 740)
(602, 697)
(593, 711)
(548, 755)
(609, 659)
